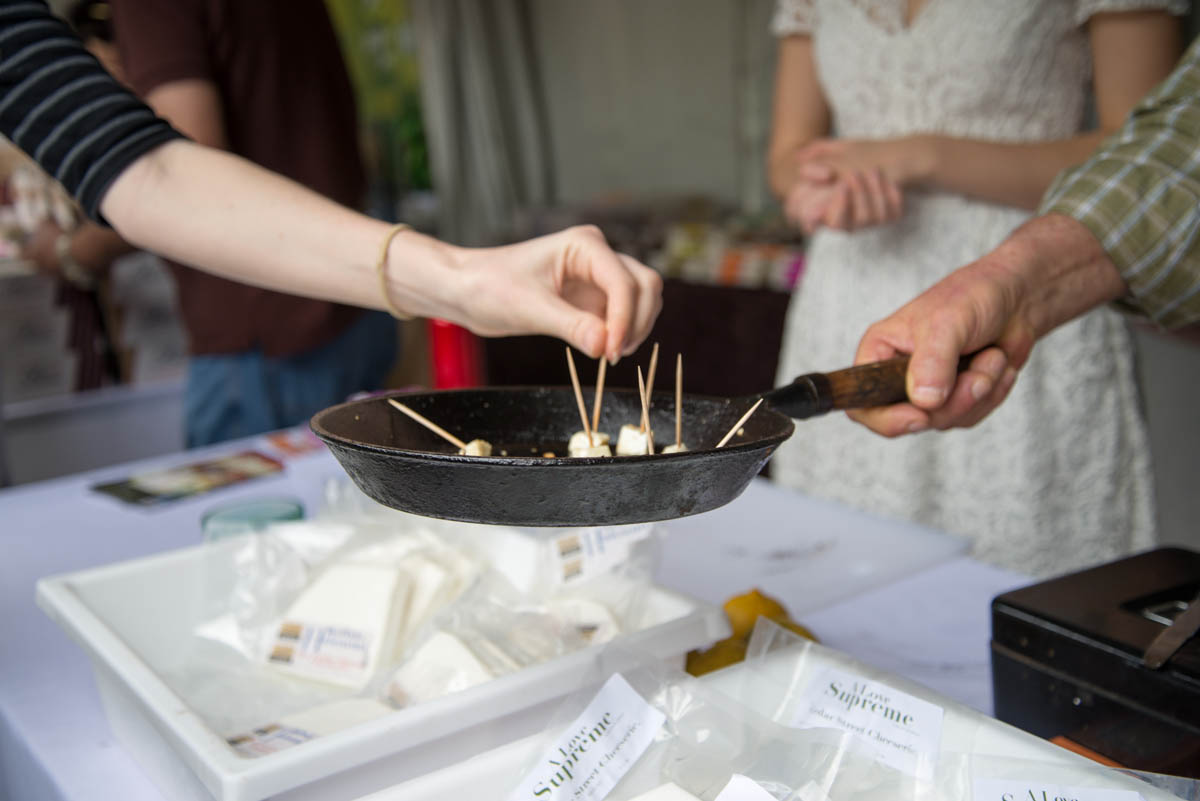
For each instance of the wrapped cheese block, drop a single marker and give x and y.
(340, 624)
(442, 665)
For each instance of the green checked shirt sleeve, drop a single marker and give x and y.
(1140, 196)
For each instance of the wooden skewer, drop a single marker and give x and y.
(678, 399)
(645, 413)
(650, 373)
(579, 398)
(739, 423)
(432, 426)
(599, 394)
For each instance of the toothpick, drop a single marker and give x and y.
(645, 413)
(650, 373)
(432, 426)
(579, 397)
(739, 423)
(678, 399)
(599, 394)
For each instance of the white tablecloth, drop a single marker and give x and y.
(895, 595)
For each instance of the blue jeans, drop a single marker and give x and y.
(240, 394)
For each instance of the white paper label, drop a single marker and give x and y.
(269, 739)
(742, 788)
(1023, 790)
(597, 749)
(338, 652)
(589, 552)
(904, 732)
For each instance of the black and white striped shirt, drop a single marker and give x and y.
(59, 105)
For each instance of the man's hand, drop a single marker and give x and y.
(1047, 272)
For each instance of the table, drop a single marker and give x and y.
(917, 608)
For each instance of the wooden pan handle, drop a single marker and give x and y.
(875, 384)
(861, 387)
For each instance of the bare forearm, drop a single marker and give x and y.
(1012, 174)
(227, 216)
(1060, 270)
(800, 113)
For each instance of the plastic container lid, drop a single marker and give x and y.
(244, 517)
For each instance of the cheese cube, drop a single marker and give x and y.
(673, 448)
(579, 440)
(632, 441)
(477, 447)
(585, 452)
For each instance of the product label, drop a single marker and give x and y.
(336, 652)
(596, 749)
(593, 551)
(269, 739)
(1024, 790)
(904, 732)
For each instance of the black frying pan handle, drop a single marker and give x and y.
(859, 387)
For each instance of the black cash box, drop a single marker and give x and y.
(1067, 660)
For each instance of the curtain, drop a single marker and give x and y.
(484, 115)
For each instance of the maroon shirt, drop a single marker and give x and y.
(288, 106)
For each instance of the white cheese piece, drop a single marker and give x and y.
(442, 665)
(585, 452)
(579, 440)
(667, 792)
(339, 625)
(477, 447)
(594, 621)
(673, 448)
(430, 584)
(632, 441)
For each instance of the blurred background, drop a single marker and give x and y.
(484, 121)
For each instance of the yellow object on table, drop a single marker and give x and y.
(743, 611)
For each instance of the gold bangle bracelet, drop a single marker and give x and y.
(381, 268)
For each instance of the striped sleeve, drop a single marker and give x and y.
(59, 105)
(1140, 196)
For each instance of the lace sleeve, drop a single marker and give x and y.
(1084, 9)
(794, 17)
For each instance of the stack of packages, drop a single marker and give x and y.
(799, 721)
(336, 621)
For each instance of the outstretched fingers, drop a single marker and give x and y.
(632, 291)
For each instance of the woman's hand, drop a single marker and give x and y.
(569, 284)
(847, 184)
(807, 202)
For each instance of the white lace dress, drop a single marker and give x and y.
(1060, 475)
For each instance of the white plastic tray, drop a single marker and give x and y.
(134, 620)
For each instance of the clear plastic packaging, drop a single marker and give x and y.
(640, 727)
(363, 601)
(338, 598)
